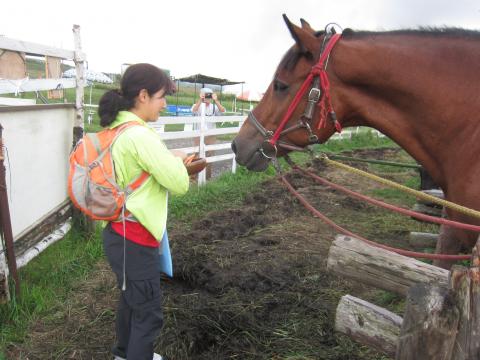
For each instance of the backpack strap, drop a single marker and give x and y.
(135, 184)
(95, 141)
(139, 180)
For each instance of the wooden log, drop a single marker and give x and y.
(429, 325)
(428, 210)
(434, 192)
(383, 269)
(422, 240)
(466, 285)
(368, 324)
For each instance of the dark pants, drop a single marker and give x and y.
(139, 315)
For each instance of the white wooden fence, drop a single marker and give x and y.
(202, 149)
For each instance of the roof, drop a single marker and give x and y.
(204, 79)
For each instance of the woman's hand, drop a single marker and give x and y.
(179, 153)
(188, 160)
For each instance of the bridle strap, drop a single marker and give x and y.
(318, 76)
(318, 70)
(267, 134)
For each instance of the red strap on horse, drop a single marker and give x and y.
(317, 70)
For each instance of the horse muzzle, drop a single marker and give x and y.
(253, 157)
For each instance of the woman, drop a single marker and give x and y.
(131, 246)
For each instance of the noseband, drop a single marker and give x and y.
(318, 75)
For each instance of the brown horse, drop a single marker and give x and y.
(421, 88)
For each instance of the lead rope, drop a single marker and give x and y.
(448, 204)
(124, 285)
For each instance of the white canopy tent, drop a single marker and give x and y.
(92, 76)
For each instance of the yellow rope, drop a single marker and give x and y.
(418, 194)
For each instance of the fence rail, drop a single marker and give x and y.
(202, 149)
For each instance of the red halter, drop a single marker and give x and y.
(325, 104)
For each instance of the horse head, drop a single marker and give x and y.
(296, 110)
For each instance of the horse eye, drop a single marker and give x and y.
(279, 86)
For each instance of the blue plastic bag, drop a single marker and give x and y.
(165, 260)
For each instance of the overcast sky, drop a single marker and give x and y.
(239, 40)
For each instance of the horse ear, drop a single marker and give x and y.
(304, 39)
(306, 26)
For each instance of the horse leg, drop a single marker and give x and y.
(448, 243)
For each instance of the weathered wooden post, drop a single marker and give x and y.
(430, 324)
(79, 61)
(6, 224)
(78, 218)
(466, 284)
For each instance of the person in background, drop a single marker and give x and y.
(132, 245)
(207, 105)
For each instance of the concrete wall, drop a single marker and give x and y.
(38, 139)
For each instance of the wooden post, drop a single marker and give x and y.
(466, 285)
(79, 219)
(383, 269)
(6, 223)
(368, 324)
(79, 61)
(429, 325)
(202, 176)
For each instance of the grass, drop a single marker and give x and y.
(47, 280)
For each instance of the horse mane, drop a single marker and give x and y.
(292, 56)
(452, 32)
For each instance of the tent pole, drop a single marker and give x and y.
(178, 90)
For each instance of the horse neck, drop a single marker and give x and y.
(407, 87)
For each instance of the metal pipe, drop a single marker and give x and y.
(5, 221)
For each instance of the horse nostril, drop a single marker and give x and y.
(234, 147)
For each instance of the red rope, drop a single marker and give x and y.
(340, 229)
(400, 210)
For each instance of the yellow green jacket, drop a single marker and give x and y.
(139, 149)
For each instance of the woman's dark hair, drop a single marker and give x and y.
(136, 78)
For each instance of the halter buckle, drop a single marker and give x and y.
(314, 95)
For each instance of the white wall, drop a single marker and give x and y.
(39, 140)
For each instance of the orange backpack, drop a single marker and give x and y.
(91, 179)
